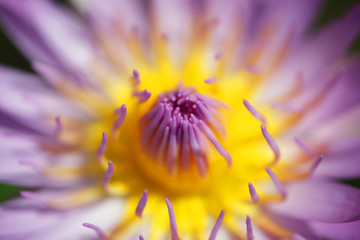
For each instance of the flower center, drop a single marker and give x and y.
(177, 131)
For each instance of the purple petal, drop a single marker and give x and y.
(337, 231)
(28, 99)
(105, 215)
(97, 230)
(340, 167)
(40, 26)
(321, 201)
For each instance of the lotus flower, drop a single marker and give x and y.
(180, 119)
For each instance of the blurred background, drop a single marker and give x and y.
(331, 10)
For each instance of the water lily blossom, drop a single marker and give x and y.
(181, 119)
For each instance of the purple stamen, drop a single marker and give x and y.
(221, 150)
(122, 114)
(210, 102)
(210, 119)
(185, 146)
(254, 112)
(252, 69)
(218, 56)
(271, 142)
(143, 96)
(200, 139)
(173, 227)
(254, 196)
(172, 150)
(136, 73)
(96, 229)
(317, 163)
(152, 124)
(152, 113)
(174, 132)
(304, 147)
(142, 203)
(102, 148)
(205, 128)
(58, 125)
(196, 151)
(107, 176)
(276, 181)
(217, 225)
(141, 238)
(160, 132)
(136, 77)
(210, 80)
(249, 230)
(163, 144)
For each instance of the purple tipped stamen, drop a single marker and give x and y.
(317, 163)
(102, 148)
(136, 73)
(143, 96)
(136, 77)
(122, 114)
(218, 56)
(96, 229)
(142, 203)
(178, 130)
(141, 238)
(217, 225)
(221, 150)
(210, 80)
(252, 69)
(249, 230)
(304, 147)
(107, 176)
(254, 196)
(276, 181)
(271, 142)
(173, 227)
(254, 112)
